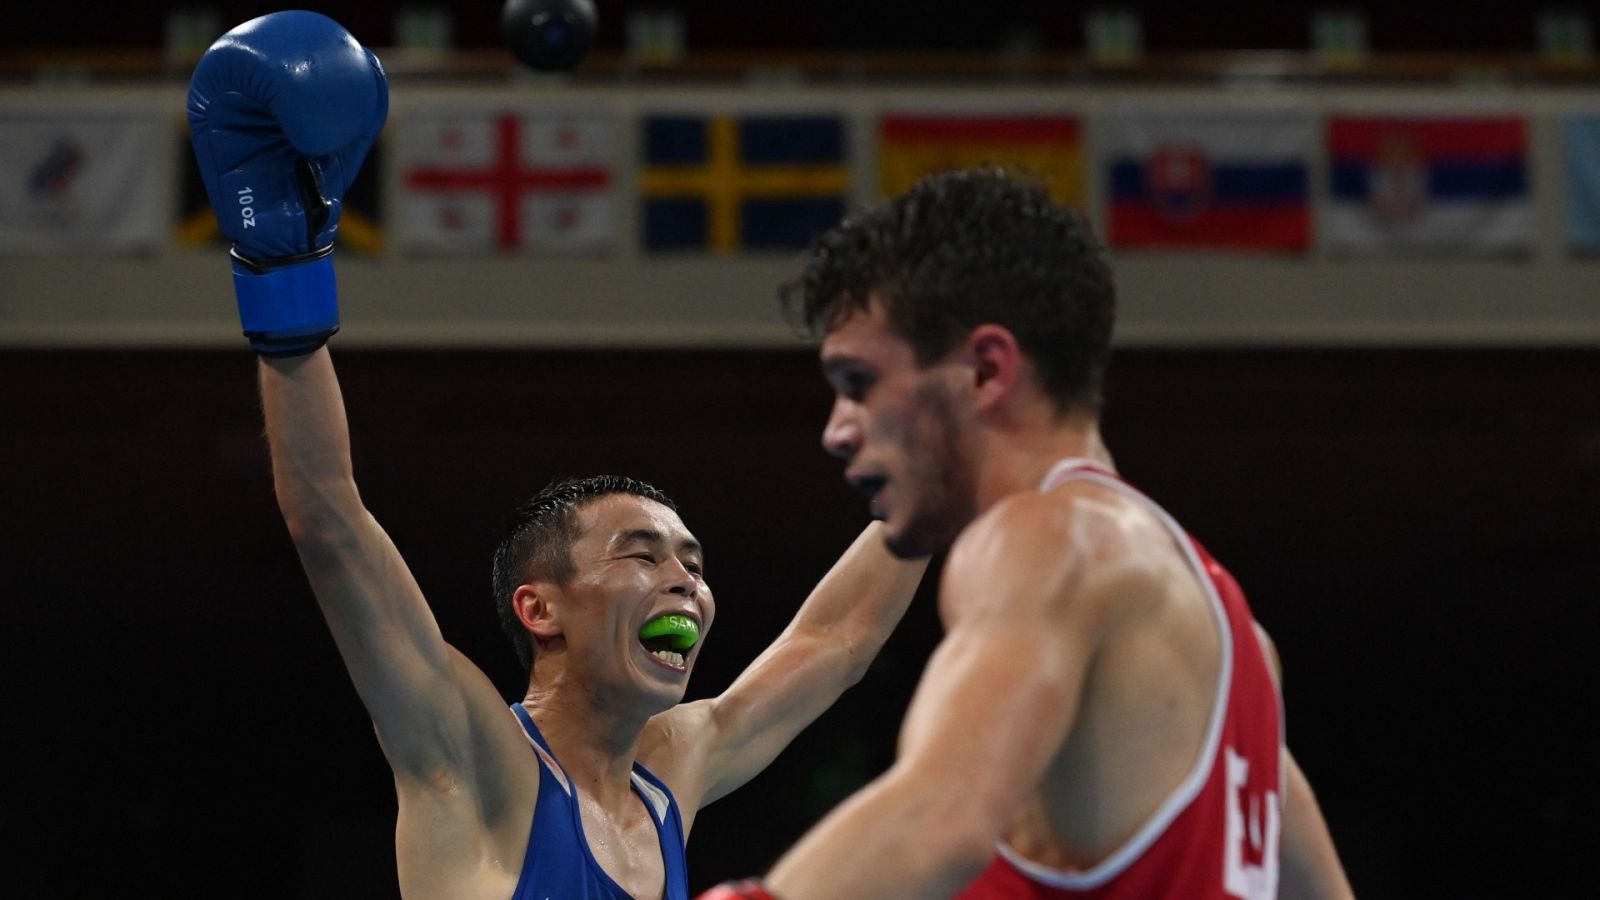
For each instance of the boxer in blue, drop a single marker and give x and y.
(588, 786)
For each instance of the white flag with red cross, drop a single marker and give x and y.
(476, 182)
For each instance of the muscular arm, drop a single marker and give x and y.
(1309, 867)
(825, 649)
(1309, 864)
(996, 701)
(410, 680)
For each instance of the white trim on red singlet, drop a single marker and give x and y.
(1179, 800)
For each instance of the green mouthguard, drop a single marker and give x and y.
(683, 631)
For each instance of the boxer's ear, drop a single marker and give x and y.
(537, 606)
(997, 364)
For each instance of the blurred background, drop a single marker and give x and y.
(1358, 357)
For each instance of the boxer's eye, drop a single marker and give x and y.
(853, 385)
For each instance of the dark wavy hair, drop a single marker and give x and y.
(536, 542)
(961, 249)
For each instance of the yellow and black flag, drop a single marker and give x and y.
(741, 183)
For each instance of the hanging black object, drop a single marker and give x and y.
(548, 35)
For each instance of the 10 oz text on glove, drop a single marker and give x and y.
(248, 213)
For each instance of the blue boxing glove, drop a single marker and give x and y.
(282, 111)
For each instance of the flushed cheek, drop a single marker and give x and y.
(891, 435)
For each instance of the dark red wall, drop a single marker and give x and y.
(1416, 528)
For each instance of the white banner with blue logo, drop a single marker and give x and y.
(1583, 184)
(74, 181)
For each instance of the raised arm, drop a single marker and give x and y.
(723, 742)
(401, 666)
(282, 111)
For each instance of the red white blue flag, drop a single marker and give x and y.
(1207, 180)
(1428, 185)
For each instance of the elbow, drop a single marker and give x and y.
(855, 653)
(960, 844)
(972, 843)
(954, 836)
(320, 544)
(836, 659)
(308, 530)
(316, 512)
(853, 668)
(318, 526)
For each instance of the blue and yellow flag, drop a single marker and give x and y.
(754, 182)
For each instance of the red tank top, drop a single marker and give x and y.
(1216, 836)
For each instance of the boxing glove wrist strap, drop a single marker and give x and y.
(263, 266)
(287, 306)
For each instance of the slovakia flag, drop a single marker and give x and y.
(1209, 180)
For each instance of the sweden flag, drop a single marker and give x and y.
(755, 182)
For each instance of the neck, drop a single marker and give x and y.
(596, 744)
(1015, 454)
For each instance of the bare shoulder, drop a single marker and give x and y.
(676, 747)
(489, 759)
(1079, 546)
(675, 731)
(675, 743)
(477, 804)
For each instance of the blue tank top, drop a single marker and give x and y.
(558, 864)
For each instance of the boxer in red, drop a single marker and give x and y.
(1103, 716)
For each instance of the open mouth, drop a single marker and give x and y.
(868, 485)
(670, 637)
(871, 487)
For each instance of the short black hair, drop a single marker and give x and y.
(536, 542)
(965, 248)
